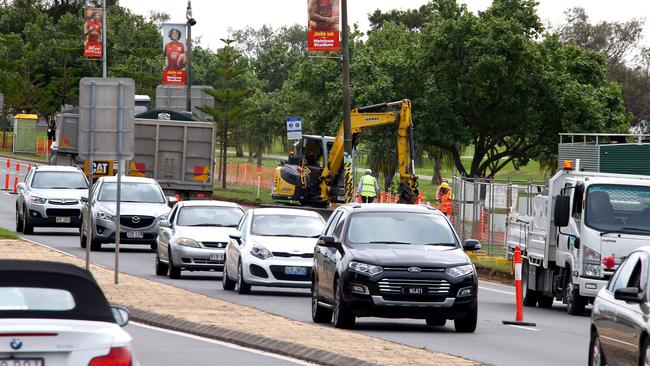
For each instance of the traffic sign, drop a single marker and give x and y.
(294, 128)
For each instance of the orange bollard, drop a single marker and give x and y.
(29, 166)
(16, 177)
(7, 175)
(519, 315)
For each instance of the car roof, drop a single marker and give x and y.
(285, 211)
(391, 207)
(194, 203)
(57, 168)
(127, 179)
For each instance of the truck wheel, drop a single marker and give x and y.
(575, 303)
(545, 302)
(529, 296)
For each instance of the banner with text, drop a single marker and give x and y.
(323, 32)
(174, 54)
(93, 36)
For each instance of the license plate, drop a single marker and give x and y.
(298, 271)
(134, 234)
(21, 362)
(216, 256)
(414, 291)
(62, 220)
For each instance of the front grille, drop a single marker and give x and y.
(70, 212)
(288, 255)
(142, 221)
(394, 286)
(278, 272)
(214, 244)
(206, 261)
(63, 202)
(406, 269)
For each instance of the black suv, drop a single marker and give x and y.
(393, 261)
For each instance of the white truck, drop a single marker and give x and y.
(581, 229)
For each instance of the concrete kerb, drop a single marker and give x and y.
(275, 334)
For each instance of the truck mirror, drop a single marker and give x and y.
(561, 212)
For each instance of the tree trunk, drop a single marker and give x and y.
(251, 156)
(225, 153)
(260, 156)
(239, 151)
(437, 168)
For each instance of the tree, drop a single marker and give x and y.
(228, 111)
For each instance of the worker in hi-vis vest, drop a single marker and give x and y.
(368, 187)
(445, 203)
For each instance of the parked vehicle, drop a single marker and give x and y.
(195, 236)
(56, 314)
(619, 320)
(393, 261)
(272, 247)
(142, 206)
(50, 196)
(583, 218)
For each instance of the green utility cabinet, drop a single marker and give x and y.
(25, 133)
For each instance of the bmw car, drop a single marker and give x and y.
(195, 236)
(55, 314)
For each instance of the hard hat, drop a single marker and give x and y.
(444, 185)
(368, 171)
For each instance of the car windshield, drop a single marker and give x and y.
(35, 298)
(287, 225)
(59, 180)
(400, 228)
(209, 216)
(618, 208)
(132, 192)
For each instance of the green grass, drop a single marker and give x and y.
(6, 234)
(243, 194)
(9, 154)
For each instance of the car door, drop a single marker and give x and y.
(89, 207)
(619, 322)
(165, 235)
(22, 193)
(325, 274)
(234, 247)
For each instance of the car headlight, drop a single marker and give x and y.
(37, 200)
(368, 269)
(260, 252)
(460, 271)
(187, 242)
(591, 263)
(104, 215)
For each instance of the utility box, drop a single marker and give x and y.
(620, 154)
(25, 133)
(173, 97)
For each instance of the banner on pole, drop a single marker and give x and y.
(93, 36)
(323, 32)
(174, 36)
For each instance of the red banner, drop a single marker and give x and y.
(323, 25)
(174, 54)
(93, 36)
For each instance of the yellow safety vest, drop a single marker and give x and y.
(368, 186)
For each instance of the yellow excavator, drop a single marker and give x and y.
(314, 172)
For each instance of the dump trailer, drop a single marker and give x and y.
(584, 224)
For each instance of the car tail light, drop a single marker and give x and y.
(118, 356)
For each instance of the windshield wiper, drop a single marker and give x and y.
(388, 242)
(621, 230)
(292, 236)
(206, 224)
(637, 229)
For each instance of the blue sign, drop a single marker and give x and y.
(294, 128)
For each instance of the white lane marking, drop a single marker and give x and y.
(495, 290)
(521, 327)
(224, 344)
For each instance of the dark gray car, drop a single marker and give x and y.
(619, 320)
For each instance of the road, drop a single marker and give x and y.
(558, 339)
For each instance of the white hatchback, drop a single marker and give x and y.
(272, 247)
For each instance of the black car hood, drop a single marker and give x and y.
(409, 255)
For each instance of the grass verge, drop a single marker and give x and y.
(6, 234)
(243, 194)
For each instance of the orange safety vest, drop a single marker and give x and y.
(446, 203)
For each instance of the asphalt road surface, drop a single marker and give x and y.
(558, 338)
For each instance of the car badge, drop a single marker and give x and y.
(135, 219)
(415, 269)
(219, 245)
(16, 344)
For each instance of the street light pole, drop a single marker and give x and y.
(347, 129)
(104, 40)
(188, 57)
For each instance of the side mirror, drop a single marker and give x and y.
(20, 186)
(165, 223)
(328, 241)
(172, 201)
(236, 236)
(121, 315)
(562, 211)
(84, 199)
(471, 245)
(628, 294)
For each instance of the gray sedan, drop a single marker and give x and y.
(619, 321)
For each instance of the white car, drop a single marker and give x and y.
(55, 314)
(272, 247)
(195, 236)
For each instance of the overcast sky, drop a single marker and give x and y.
(215, 17)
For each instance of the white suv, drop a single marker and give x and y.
(50, 197)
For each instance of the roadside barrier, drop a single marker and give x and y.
(15, 173)
(519, 315)
(16, 178)
(7, 175)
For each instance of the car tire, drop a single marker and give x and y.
(95, 245)
(242, 286)
(174, 271)
(19, 222)
(596, 356)
(28, 228)
(319, 314)
(644, 359)
(575, 303)
(154, 247)
(226, 282)
(530, 297)
(436, 322)
(468, 323)
(342, 316)
(82, 240)
(545, 302)
(161, 268)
